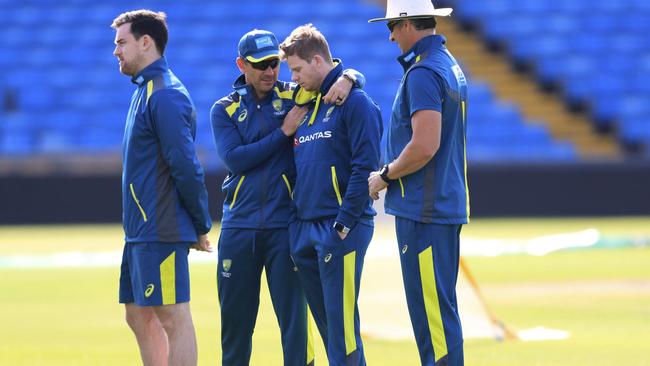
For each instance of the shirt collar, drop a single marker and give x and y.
(421, 49)
(154, 69)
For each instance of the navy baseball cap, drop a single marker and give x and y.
(258, 45)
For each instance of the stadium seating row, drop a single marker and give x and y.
(63, 93)
(596, 52)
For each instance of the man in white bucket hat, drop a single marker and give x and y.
(425, 176)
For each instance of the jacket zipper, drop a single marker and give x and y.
(265, 171)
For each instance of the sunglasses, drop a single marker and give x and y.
(263, 65)
(391, 25)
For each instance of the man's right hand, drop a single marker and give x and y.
(202, 244)
(293, 119)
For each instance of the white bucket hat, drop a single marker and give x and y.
(411, 9)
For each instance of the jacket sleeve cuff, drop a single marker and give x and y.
(346, 219)
(279, 136)
(203, 229)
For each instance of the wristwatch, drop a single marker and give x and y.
(383, 173)
(341, 228)
(350, 76)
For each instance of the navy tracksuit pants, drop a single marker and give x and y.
(242, 253)
(429, 256)
(330, 272)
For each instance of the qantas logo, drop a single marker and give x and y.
(313, 137)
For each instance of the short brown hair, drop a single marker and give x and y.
(145, 22)
(305, 42)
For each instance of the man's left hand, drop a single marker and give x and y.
(202, 244)
(376, 185)
(339, 92)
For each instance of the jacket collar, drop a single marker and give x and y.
(246, 90)
(331, 77)
(421, 50)
(154, 69)
(302, 97)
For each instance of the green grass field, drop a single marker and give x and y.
(70, 316)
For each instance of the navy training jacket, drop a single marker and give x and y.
(335, 150)
(257, 154)
(164, 198)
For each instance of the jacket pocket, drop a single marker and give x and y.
(335, 184)
(234, 195)
(286, 182)
(137, 202)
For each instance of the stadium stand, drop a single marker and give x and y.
(62, 93)
(595, 52)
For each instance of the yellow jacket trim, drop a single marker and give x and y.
(232, 108)
(137, 202)
(335, 183)
(149, 89)
(464, 110)
(401, 186)
(287, 94)
(303, 97)
(313, 115)
(234, 197)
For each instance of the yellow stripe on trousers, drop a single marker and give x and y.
(168, 279)
(349, 262)
(431, 303)
(310, 338)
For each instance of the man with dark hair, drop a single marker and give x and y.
(335, 149)
(426, 176)
(163, 195)
(253, 128)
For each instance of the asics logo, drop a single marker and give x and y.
(328, 257)
(149, 290)
(242, 116)
(405, 248)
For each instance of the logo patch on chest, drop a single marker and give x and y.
(277, 105)
(329, 113)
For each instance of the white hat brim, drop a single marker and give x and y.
(442, 12)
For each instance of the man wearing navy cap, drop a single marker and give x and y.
(425, 173)
(253, 128)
